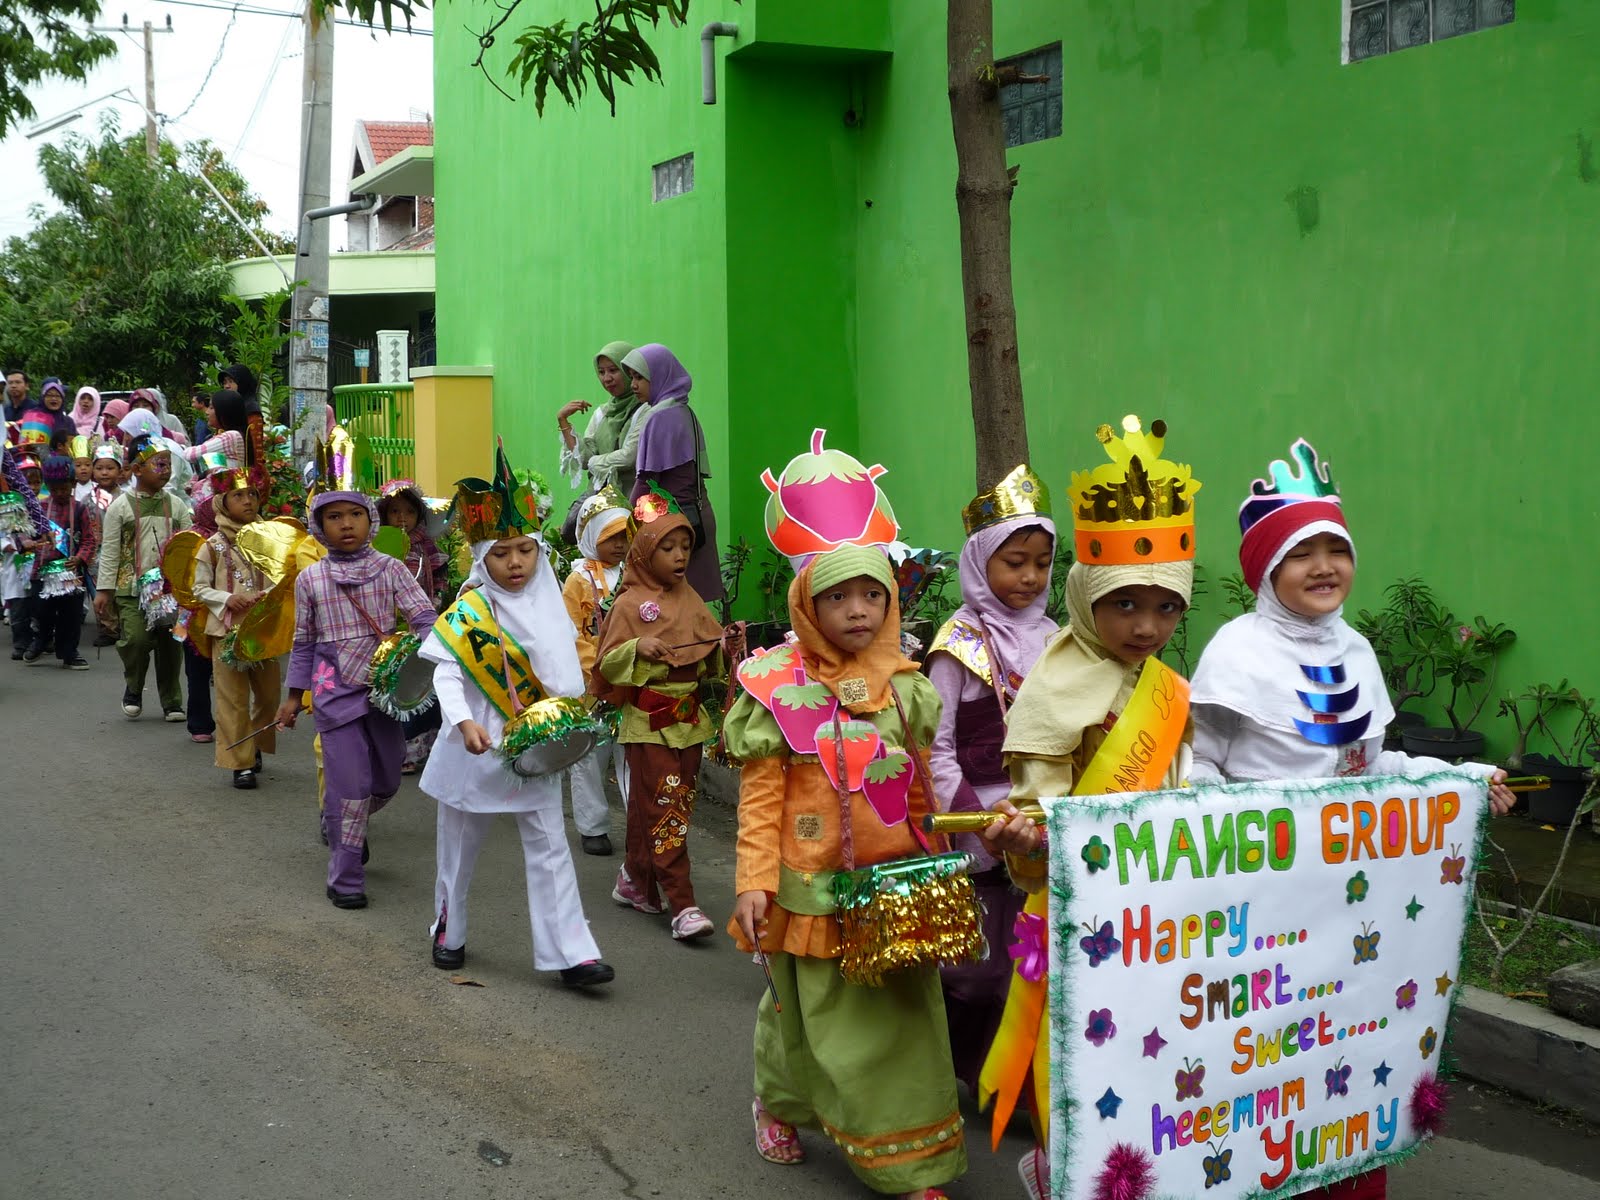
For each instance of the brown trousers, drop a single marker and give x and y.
(245, 700)
(660, 802)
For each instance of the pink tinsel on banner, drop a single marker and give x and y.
(1428, 1101)
(1129, 1174)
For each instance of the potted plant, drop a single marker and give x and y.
(1398, 633)
(1466, 657)
(1569, 765)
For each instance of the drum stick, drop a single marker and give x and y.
(701, 642)
(766, 969)
(977, 822)
(255, 733)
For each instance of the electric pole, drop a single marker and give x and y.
(152, 137)
(308, 361)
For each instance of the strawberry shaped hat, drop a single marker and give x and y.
(825, 499)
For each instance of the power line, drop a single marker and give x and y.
(411, 31)
(221, 46)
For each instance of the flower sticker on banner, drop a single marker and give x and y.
(1366, 944)
(1405, 996)
(1356, 888)
(1337, 1079)
(1428, 1041)
(1031, 950)
(1190, 1081)
(649, 611)
(1101, 1028)
(1100, 945)
(1096, 854)
(1450, 868)
(1216, 1166)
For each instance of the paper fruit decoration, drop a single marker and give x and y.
(826, 499)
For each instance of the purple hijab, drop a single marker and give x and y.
(670, 436)
(1016, 637)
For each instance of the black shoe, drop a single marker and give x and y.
(449, 960)
(34, 653)
(588, 974)
(366, 852)
(596, 843)
(347, 899)
(16, 654)
(76, 664)
(131, 704)
(245, 781)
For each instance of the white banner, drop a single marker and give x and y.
(1250, 984)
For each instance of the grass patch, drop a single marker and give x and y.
(1548, 946)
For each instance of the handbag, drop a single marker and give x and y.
(908, 912)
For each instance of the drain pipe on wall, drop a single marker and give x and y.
(365, 204)
(708, 56)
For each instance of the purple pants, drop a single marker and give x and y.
(361, 768)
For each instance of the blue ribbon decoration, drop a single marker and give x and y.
(1330, 702)
(1340, 734)
(1327, 676)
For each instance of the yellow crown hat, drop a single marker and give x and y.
(1019, 494)
(1137, 508)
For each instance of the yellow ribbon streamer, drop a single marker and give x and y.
(470, 632)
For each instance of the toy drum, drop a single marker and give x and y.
(549, 736)
(910, 912)
(401, 680)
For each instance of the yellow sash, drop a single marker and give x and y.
(1135, 757)
(485, 651)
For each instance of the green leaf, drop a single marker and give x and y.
(802, 695)
(765, 664)
(890, 766)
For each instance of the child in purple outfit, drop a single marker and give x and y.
(344, 605)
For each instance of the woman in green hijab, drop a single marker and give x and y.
(609, 445)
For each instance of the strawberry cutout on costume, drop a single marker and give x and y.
(886, 784)
(797, 707)
(861, 746)
(767, 670)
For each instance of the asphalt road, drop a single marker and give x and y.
(185, 1015)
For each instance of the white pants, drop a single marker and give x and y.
(590, 812)
(561, 936)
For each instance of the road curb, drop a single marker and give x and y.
(1528, 1051)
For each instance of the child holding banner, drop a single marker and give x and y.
(1291, 691)
(1099, 713)
(977, 662)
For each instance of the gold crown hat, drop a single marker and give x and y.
(490, 510)
(604, 501)
(80, 446)
(1139, 507)
(1019, 494)
(226, 479)
(336, 464)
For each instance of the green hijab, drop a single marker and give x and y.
(618, 410)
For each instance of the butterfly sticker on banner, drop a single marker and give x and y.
(1366, 944)
(1450, 868)
(1216, 1166)
(1337, 1079)
(1190, 1081)
(1100, 945)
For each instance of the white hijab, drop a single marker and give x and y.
(595, 516)
(536, 616)
(1255, 665)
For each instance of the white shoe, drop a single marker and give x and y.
(692, 923)
(1035, 1171)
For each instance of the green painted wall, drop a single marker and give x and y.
(1236, 232)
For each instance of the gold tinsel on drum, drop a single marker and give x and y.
(912, 912)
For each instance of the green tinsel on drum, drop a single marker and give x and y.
(14, 516)
(912, 912)
(231, 653)
(549, 736)
(401, 683)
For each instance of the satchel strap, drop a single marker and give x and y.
(921, 768)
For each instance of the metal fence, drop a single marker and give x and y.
(382, 422)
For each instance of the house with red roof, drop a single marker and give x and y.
(396, 222)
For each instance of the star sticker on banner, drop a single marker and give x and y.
(1108, 1104)
(1442, 984)
(1154, 1043)
(1380, 1074)
(1413, 909)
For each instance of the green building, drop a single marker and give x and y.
(1257, 219)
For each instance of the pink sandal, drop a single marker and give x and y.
(775, 1137)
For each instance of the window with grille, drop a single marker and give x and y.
(1032, 111)
(672, 178)
(1374, 27)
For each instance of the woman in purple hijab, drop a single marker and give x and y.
(672, 456)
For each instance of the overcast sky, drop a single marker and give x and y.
(250, 107)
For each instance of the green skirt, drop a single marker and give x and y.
(868, 1066)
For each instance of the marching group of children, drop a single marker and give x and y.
(845, 743)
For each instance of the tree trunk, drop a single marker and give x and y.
(983, 205)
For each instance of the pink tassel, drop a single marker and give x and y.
(1428, 1101)
(1129, 1174)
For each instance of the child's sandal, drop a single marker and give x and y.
(777, 1141)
